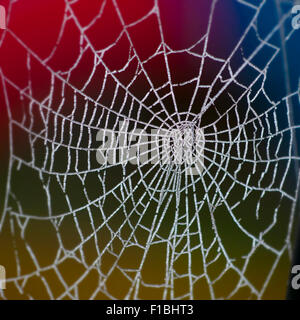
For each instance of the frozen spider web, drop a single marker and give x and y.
(75, 229)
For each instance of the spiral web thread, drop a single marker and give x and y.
(133, 232)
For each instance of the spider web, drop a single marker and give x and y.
(76, 229)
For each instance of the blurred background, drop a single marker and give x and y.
(73, 229)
